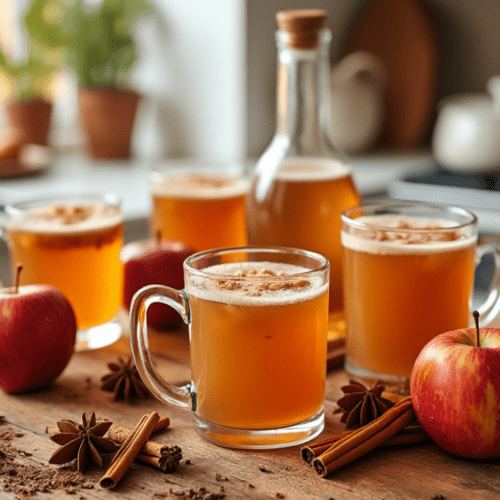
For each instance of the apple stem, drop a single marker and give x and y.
(158, 237)
(476, 319)
(19, 268)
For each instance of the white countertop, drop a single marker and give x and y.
(77, 173)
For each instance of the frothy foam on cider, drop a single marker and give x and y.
(198, 186)
(256, 284)
(68, 219)
(397, 235)
(311, 170)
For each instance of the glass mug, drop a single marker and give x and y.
(409, 276)
(72, 243)
(257, 324)
(201, 205)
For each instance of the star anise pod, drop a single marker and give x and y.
(170, 458)
(124, 381)
(361, 405)
(84, 441)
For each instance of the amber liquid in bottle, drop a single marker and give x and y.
(301, 183)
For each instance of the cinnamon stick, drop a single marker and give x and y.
(162, 423)
(161, 456)
(411, 434)
(120, 434)
(313, 450)
(129, 450)
(362, 440)
(169, 459)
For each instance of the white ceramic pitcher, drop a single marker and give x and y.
(466, 136)
(357, 101)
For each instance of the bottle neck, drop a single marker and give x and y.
(302, 95)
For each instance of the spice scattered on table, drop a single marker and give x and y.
(84, 441)
(192, 494)
(8, 435)
(124, 381)
(27, 477)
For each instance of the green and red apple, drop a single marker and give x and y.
(150, 262)
(455, 391)
(37, 336)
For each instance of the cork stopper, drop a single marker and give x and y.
(302, 25)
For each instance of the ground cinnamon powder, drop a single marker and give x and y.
(24, 476)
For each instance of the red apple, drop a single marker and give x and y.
(455, 390)
(152, 262)
(37, 336)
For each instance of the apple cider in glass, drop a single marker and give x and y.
(407, 279)
(258, 350)
(74, 247)
(302, 208)
(202, 210)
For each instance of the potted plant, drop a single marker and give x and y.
(29, 107)
(101, 53)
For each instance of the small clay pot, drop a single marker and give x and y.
(108, 117)
(32, 117)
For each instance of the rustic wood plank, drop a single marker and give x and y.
(414, 472)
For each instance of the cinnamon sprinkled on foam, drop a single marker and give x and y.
(199, 186)
(266, 284)
(67, 219)
(389, 236)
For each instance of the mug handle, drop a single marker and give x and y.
(184, 396)
(490, 308)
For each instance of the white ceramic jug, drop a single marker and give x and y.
(357, 101)
(466, 136)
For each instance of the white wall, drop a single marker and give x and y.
(208, 68)
(194, 72)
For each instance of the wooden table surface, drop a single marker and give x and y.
(412, 472)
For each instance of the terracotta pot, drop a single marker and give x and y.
(32, 117)
(108, 117)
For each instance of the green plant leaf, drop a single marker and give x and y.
(42, 22)
(5, 62)
(96, 43)
(46, 50)
(101, 48)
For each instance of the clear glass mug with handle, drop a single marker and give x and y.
(258, 336)
(72, 242)
(409, 275)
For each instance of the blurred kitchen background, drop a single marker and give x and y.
(206, 74)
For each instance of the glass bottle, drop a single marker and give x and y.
(302, 184)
